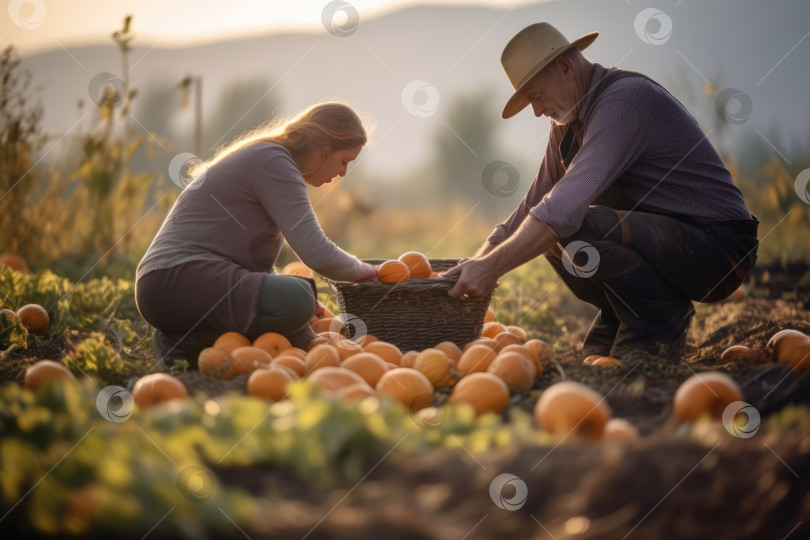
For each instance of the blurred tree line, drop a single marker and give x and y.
(88, 203)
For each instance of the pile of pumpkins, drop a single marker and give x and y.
(484, 374)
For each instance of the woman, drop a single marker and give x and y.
(210, 268)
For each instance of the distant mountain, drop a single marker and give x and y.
(457, 50)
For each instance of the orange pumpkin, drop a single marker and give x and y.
(387, 351)
(294, 363)
(214, 363)
(709, 393)
(393, 272)
(451, 350)
(368, 365)
(418, 265)
(489, 342)
(246, 359)
(407, 386)
(320, 340)
(296, 268)
(490, 316)
(572, 409)
(157, 388)
(365, 340)
(506, 338)
(45, 371)
(346, 348)
(270, 383)
(332, 324)
(620, 430)
(272, 342)
(537, 367)
(15, 262)
(515, 369)
(434, 364)
(492, 329)
(230, 341)
(333, 337)
(792, 348)
(321, 356)
(34, 318)
(293, 351)
(355, 392)
(332, 378)
(408, 359)
(606, 361)
(519, 332)
(741, 353)
(486, 392)
(475, 359)
(540, 348)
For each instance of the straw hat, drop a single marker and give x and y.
(532, 49)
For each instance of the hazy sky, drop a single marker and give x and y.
(37, 25)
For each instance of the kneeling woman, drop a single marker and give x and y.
(209, 270)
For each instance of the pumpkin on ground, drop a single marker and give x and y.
(434, 364)
(407, 386)
(272, 342)
(230, 341)
(157, 388)
(486, 392)
(269, 384)
(709, 393)
(34, 318)
(572, 409)
(44, 372)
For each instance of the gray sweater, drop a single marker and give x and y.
(240, 211)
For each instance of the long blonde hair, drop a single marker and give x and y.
(330, 126)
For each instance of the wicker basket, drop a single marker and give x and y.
(415, 314)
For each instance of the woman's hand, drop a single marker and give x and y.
(369, 273)
(476, 279)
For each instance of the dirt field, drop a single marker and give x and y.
(675, 483)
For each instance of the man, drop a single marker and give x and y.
(632, 206)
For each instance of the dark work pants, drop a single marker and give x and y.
(643, 272)
(285, 305)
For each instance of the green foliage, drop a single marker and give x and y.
(117, 476)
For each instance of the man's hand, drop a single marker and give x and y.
(477, 278)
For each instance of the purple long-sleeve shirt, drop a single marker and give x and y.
(640, 137)
(241, 211)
